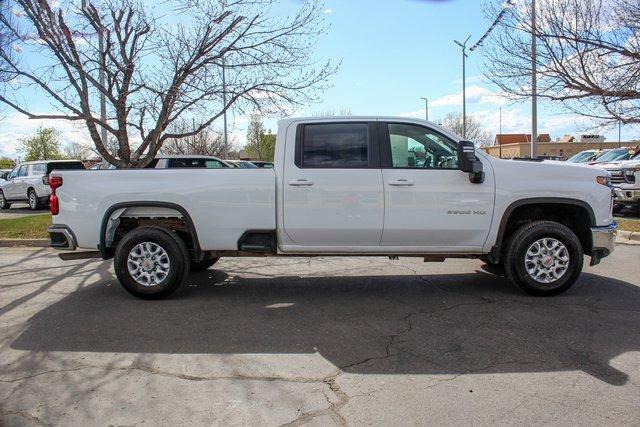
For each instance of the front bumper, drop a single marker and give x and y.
(61, 237)
(603, 242)
(626, 196)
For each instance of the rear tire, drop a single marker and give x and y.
(204, 264)
(34, 201)
(151, 262)
(544, 258)
(3, 202)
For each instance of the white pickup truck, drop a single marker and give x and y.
(356, 186)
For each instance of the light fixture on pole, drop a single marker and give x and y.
(463, 46)
(426, 107)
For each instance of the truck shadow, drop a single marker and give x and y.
(430, 324)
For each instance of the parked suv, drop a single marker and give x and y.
(29, 182)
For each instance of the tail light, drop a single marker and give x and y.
(54, 183)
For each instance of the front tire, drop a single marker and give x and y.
(544, 258)
(34, 201)
(3, 202)
(151, 262)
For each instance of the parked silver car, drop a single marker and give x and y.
(29, 182)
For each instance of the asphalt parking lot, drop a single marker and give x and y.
(319, 341)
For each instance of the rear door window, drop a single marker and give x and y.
(335, 145)
(38, 169)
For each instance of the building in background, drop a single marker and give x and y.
(519, 145)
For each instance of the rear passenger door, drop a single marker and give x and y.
(333, 187)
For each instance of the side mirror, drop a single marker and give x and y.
(469, 162)
(4, 175)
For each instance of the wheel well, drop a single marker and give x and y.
(573, 216)
(123, 218)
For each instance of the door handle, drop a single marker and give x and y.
(301, 183)
(401, 183)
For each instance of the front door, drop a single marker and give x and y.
(429, 202)
(333, 192)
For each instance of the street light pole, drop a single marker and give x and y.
(619, 133)
(426, 108)
(534, 84)
(463, 46)
(224, 105)
(500, 133)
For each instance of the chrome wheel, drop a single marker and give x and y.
(148, 264)
(547, 260)
(1, 200)
(32, 200)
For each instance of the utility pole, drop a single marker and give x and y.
(101, 79)
(500, 133)
(534, 84)
(463, 46)
(224, 105)
(619, 133)
(426, 108)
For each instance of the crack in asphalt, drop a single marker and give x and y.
(23, 414)
(188, 377)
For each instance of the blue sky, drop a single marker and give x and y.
(393, 53)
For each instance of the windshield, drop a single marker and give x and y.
(616, 155)
(583, 156)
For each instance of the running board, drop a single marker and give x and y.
(70, 256)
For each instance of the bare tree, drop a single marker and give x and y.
(332, 113)
(207, 142)
(76, 150)
(475, 131)
(588, 55)
(158, 71)
(7, 46)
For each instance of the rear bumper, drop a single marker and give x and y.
(61, 237)
(603, 242)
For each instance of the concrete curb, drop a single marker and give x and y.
(628, 237)
(33, 243)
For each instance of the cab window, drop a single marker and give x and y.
(335, 145)
(417, 147)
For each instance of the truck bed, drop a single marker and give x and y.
(222, 203)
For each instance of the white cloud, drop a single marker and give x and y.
(327, 11)
(475, 95)
(16, 126)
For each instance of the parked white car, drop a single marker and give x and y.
(627, 190)
(182, 161)
(29, 182)
(364, 186)
(244, 164)
(188, 161)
